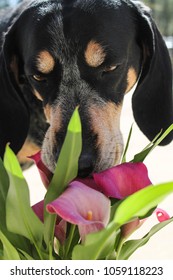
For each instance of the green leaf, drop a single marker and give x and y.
(9, 251)
(127, 145)
(18, 241)
(139, 203)
(20, 217)
(97, 245)
(24, 255)
(129, 247)
(156, 141)
(114, 207)
(67, 165)
(11, 163)
(4, 186)
(75, 124)
(66, 170)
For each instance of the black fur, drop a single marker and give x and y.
(130, 39)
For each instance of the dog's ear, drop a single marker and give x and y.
(14, 114)
(152, 101)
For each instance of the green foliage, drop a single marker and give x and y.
(24, 236)
(66, 170)
(129, 247)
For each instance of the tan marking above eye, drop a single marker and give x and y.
(94, 54)
(45, 62)
(131, 79)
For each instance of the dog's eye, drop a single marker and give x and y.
(109, 68)
(38, 78)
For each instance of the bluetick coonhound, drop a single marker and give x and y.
(58, 54)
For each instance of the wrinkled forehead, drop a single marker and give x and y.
(66, 29)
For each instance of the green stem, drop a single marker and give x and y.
(69, 240)
(119, 247)
(38, 250)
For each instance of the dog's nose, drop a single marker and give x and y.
(85, 166)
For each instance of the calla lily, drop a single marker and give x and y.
(162, 215)
(117, 182)
(38, 209)
(83, 206)
(45, 173)
(130, 227)
(122, 180)
(61, 225)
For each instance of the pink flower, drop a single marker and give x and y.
(122, 180)
(130, 227)
(118, 182)
(83, 206)
(85, 201)
(61, 225)
(45, 173)
(162, 215)
(38, 209)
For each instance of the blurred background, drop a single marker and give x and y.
(159, 162)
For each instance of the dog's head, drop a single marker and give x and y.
(89, 54)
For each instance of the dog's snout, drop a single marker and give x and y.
(85, 166)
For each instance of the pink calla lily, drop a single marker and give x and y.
(122, 180)
(38, 209)
(45, 173)
(61, 225)
(83, 206)
(85, 201)
(162, 215)
(129, 228)
(117, 182)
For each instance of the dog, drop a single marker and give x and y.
(59, 54)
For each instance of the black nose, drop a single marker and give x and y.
(85, 166)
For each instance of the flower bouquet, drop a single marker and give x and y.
(79, 219)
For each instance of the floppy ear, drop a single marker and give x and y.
(14, 114)
(152, 101)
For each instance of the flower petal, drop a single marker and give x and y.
(61, 225)
(90, 228)
(122, 180)
(162, 215)
(129, 228)
(38, 209)
(45, 173)
(83, 206)
(89, 181)
(60, 231)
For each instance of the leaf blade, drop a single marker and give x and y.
(97, 245)
(146, 199)
(20, 218)
(66, 170)
(9, 251)
(130, 246)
